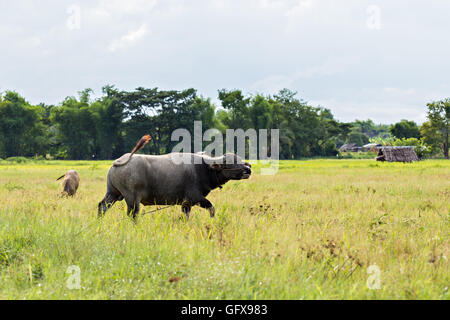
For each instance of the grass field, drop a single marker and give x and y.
(310, 232)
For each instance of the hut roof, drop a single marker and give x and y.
(348, 146)
(371, 145)
(397, 154)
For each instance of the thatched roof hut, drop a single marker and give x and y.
(397, 154)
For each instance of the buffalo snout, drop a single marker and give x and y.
(247, 174)
(247, 171)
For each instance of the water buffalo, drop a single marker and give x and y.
(159, 180)
(70, 183)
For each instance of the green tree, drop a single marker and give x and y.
(235, 102)
(22, 131)
(439, 118)
(107, 114)
(431, 137)
(357, 137)
(370, 130)
(405, 129)
(307, 131)
(76, 127)
(367, 127)
(160, 112)
(260, 113)
(302, 121)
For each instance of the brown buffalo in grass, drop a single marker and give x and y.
(70, 183)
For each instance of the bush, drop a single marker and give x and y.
(388, 141)
(61, 155)
(330, 149)
(38, 158)
(357, 155)
(17, 159)
(422, 150)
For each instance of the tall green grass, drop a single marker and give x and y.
(309, 232)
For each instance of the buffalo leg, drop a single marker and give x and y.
(186, 208)
(133, 209)
(206, 204)
(107, 202)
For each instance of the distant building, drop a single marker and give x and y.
(374, 147)
(352, 147)
(349, 147)
(397, 154)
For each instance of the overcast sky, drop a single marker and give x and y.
(379, 59)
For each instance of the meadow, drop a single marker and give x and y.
(318, 229)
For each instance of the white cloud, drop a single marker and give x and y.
(219, 4)
(273, 83)
(322, 49)
(398, 91)
(30, 42)
(120, 7)
(272, 4)
(300, 8)
(128, 39)
(380, 112)
(383, 105)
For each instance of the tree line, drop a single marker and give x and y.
(82, 128)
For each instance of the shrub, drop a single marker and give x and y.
(422, 150)
(330, 149)
(357, 155)
(17, 159)
(38, 158)
(61, 155)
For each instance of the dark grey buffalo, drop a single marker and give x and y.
(159, 180)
